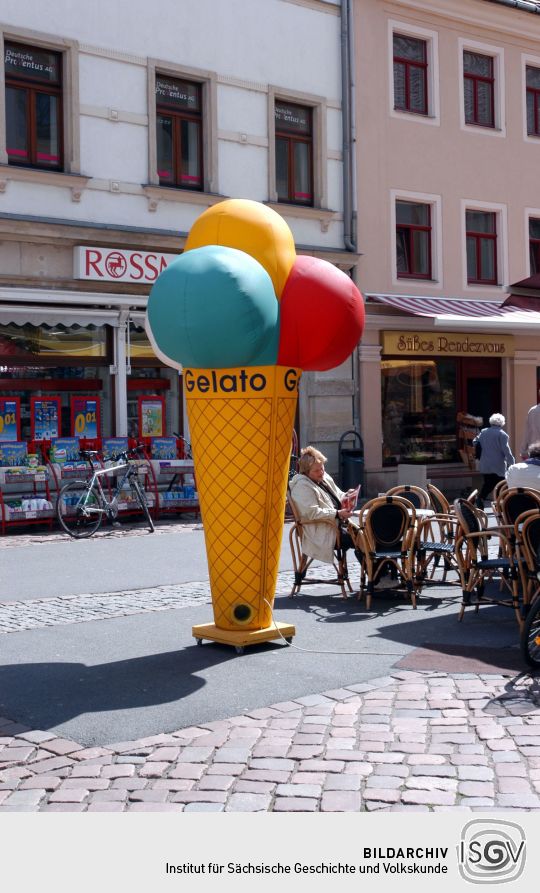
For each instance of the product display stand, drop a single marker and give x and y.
(25, 496)
(172, 477)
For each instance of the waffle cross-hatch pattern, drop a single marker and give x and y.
(242, 449)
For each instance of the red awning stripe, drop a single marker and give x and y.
(420, 306)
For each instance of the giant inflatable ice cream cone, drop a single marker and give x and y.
(241, 430)
(242, 316)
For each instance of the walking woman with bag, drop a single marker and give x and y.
(495, 455)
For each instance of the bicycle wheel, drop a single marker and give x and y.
(136, 487)
(79, 509)
(530, 636)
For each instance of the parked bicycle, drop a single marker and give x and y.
(82, 505)
(530, 636)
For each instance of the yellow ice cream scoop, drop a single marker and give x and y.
(252, 227)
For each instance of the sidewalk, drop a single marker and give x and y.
(408, 741)
(423, 737)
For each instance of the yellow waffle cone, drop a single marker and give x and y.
(241, 423)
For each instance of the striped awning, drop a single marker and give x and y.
(420, 306)
(462, 312)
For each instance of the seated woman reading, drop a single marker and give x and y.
(316, 496)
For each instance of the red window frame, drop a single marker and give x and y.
(408, 64)
(292, 138)
(478, 238)
(408, 229)
(534, 253)
(476, 80)
(33, 86)
(534, 92)
(178, 116)
(534, 250)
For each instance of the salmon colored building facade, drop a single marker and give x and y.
(447, 102)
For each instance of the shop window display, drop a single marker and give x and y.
(149, 377)
(24, 342)
(139, 344)
(40, 361)
(419, 411)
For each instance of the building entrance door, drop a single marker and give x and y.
(481, 387)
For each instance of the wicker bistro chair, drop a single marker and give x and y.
(436, 543)
(416, 495)
(386, 537)
(437, 537)
(475, 564)
(302, 562)
(514, 502)
(527, 535)
(529, 552)
(438, 501)
(510, 504)
(498, 489)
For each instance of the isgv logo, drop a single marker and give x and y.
(491, 851)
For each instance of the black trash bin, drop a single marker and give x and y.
(351, 462)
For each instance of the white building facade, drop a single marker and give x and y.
(119, 124)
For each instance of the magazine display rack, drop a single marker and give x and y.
(172, 476)
(25, 496)
(64, 461)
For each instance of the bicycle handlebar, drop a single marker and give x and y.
(187, 445)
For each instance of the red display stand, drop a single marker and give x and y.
(23, 489)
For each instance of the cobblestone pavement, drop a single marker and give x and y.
(409, 741)
(420, 741)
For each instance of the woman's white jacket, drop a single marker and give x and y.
(312, 504)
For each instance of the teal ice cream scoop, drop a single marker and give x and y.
(214, 307)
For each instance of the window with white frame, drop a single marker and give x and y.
(179, 133)
(297, 150)
(294, 153)
(413, 240)
(481, 241)
(410, 74)
(182, 129)
(33, 106)
(534, 244)
(414, 72)
(40, 126)
(479, 89)
(482, 86)
(533, 100)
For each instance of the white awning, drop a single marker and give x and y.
(20, 315)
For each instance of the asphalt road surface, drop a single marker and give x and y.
(123, 678)
(105, 564)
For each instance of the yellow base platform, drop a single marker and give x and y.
(243, 637)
